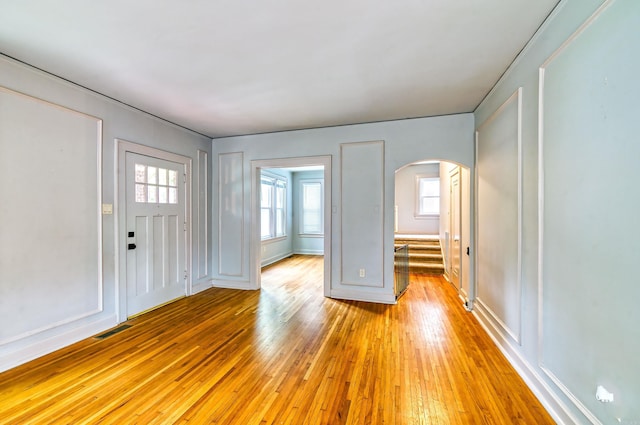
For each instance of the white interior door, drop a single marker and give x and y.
(155, 236)
(454, 214)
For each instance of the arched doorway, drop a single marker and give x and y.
(432, 214)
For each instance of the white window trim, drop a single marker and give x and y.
(416, 198)
(301, 208)
(275, 178)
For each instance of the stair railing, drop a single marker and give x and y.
(401, 269)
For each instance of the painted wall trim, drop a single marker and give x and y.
(33, 351)
(308, 252)
(201, 286)
(275, 258)
(203, 214)
(239, 157)
(515, 334)
(541, 231)
(551, 402)
(367, 296)
(99, 307)
(234, 284)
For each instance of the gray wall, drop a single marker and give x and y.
(60, 147)
(364, 160)
(557, 240)
(406, 200)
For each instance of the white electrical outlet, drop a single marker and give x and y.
(362, 274)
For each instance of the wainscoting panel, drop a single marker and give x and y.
(202, 209)
(50, 213)
(588, 188)
(499, 216)
(362, 189)
(231, 214)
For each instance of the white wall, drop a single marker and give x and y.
(85, 301)
(449, 137)
(568, 318)
(406, 200)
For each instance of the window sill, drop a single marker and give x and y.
(425, 216)
(275, 239)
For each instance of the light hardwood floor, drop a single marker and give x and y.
(281, 355)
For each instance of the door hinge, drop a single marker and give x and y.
(186, 275)
(184, 227)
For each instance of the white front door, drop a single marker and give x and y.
(155, 232)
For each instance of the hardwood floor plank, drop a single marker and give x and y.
(281, 355)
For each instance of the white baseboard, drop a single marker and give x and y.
(275, 259)
(374, 297)
(201, 286)
(49, 345)
(309, 252)
(234, 284)
(548, 398)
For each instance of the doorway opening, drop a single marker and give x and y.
(432, 217)
(291, 205)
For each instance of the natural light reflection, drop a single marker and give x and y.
(268, 328)
(278, 312)
(433, 325)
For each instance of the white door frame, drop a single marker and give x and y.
(255, 250)
(120, 222)
(455, 211)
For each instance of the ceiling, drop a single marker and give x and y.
(231, 67)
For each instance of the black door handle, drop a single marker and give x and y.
(131, 246)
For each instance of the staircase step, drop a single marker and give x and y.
(426, 257)
(425, 254)
(417, 241)
(433, 268)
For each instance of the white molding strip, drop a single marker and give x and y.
(493, 318)
(367, 296)
(41, 348)
(554, 405)
(234, 284)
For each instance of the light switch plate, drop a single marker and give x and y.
(107, 209)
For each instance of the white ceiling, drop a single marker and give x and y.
(230, 67)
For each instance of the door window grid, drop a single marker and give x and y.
(155, 185)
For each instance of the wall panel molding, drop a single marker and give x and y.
(552, 119)
(231, 218)
(202, 208)
(362, 201)
(52, 196)
(499, 230)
